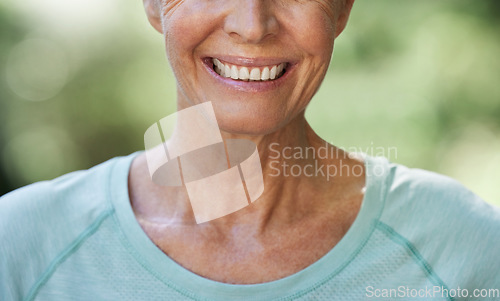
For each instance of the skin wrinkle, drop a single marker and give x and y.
(297, 219)
(168, 6)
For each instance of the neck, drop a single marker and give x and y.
(287, 194)
(285, 157)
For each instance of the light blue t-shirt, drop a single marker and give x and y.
(418, 235)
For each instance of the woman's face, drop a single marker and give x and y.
(258, 61)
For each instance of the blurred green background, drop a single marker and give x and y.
(81, 81)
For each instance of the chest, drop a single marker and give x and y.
(246, 258)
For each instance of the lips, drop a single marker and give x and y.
(249, 73)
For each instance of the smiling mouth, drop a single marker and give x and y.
(243, 73)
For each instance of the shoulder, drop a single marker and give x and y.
(422, 193)
(70, 193)
(453, 228)
(39, 221)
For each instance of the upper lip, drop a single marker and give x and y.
(251, 62)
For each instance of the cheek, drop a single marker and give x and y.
(313, 28)
(186, 24)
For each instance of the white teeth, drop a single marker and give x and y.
(255, 74)
(234, 72)
(227, 71)
(246, 74)
(272, 74)
(218, 63)
(265, 74)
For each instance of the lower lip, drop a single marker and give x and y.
(248, 86)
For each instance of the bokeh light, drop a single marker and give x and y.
(36, 69)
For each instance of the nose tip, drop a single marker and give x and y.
(250, 21)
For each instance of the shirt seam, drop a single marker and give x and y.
(376, 220)
(139, 259)
(68, 251)
(401, 240)
(124, 241)
(333, 274)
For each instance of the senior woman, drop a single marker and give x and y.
(372, 229)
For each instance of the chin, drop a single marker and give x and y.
(248, 122)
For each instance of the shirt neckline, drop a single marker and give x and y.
(297, 284)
